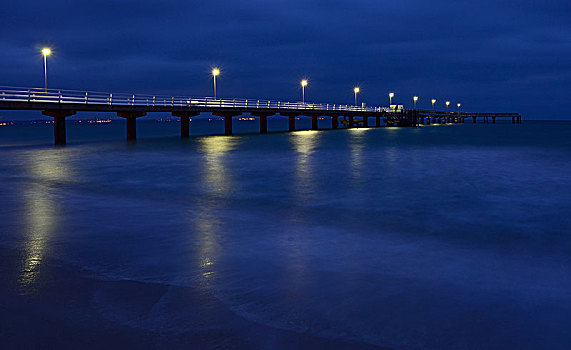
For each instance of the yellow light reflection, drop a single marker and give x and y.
(356, 145)
(214, 149)
(41, 215)
(218, 181)
(305, 143)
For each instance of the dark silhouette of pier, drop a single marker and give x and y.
(60, 104)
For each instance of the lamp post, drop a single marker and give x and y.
(433, 102)
(356, 91)
(215, 73)
(303, 85)
(447, 104)
(459, 105)
(415, 98)
(46, 52)
(391, 95)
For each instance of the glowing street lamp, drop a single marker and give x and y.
(459, 104)
(447, 104)
(46, 52)
(433, 102)
(356, 90)
(391, 95)
(415, 99)
(215, 73)
(303, 85)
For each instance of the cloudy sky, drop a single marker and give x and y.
(491, 55)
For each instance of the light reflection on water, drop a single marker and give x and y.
(357, 140)
(305, 144)
(40, 217)
(217, 181)
(214, 149)
(48, 168)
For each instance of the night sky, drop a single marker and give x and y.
(490, 55)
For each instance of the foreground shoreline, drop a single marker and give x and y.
(71, 308)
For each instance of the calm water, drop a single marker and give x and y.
(440, 237)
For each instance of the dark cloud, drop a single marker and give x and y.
(491, 55)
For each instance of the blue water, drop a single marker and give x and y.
(438, 237)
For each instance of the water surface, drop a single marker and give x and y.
(438, 237)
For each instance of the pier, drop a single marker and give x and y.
(61, 104)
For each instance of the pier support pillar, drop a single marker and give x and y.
(227, 120)
(513, 120)
(351, 121)
(263, 124)
(184, 127)
(334, 122)
(474, 119)
(185, 122)
(228, 125)
(131, 118)
(131, 128)
(263, 121)
(314, 123)
(291, 120)
(291, 123)
(378, 118)
(493, 120)
(59, 124)
(366, 122)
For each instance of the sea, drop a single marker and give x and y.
(435, 237)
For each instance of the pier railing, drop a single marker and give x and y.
(32, 95)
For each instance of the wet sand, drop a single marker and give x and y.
(71, 308)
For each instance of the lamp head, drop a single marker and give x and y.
(304, 83)
(46, 51)
(391, 94)
(356, 89)
(415, 98)
(447, 103)
(215, 72)
(433, 101)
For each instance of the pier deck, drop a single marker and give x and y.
(60, 104)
